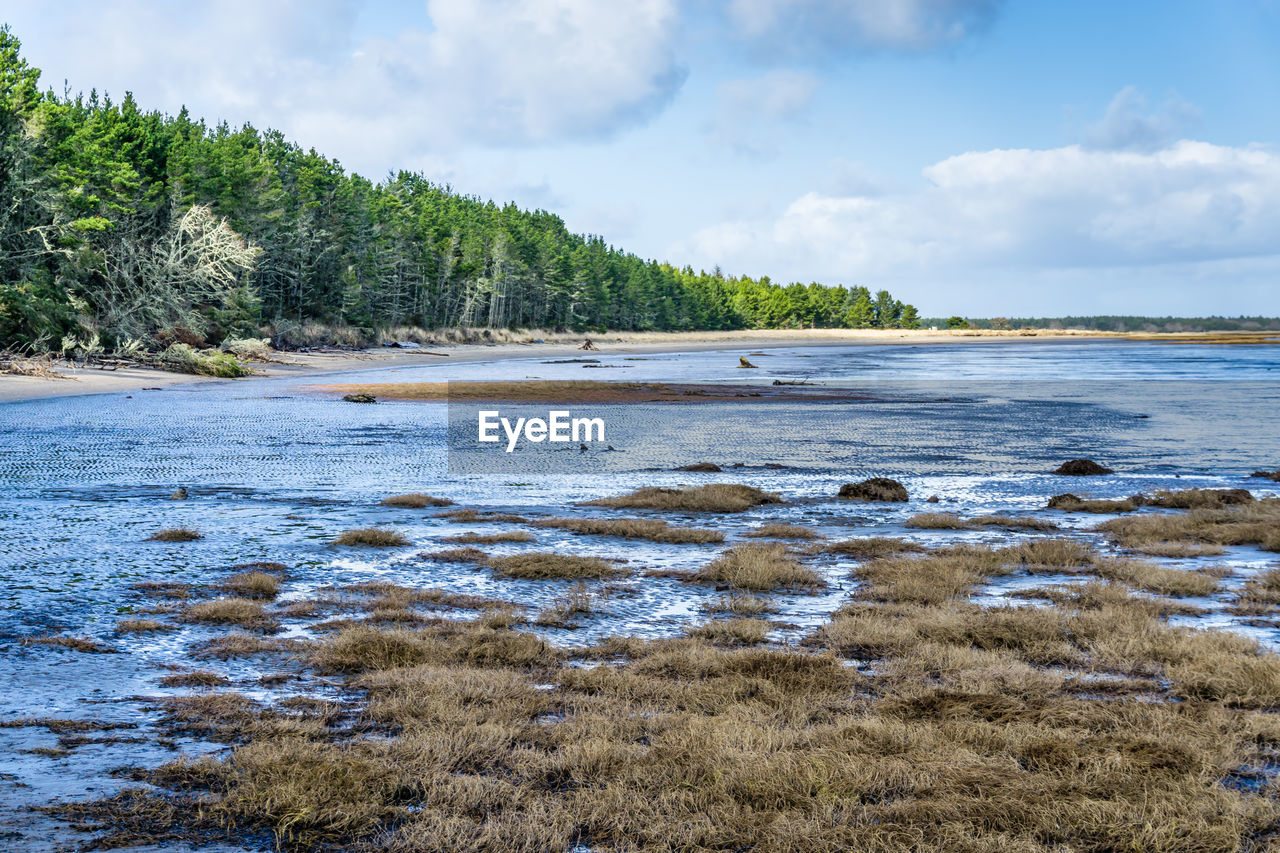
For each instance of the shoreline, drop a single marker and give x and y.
(77, 381)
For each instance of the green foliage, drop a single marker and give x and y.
(186, 359)
(90, 223)
(34, 315)
(957, 322)
(95, 196)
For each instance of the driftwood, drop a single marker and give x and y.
(16, 365)
(587, 345)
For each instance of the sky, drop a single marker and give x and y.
(975, 157)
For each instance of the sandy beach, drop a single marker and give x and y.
(92, 380)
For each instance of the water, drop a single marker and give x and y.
(275, 469)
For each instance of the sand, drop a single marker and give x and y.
(98, 381)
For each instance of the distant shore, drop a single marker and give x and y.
(92, 380)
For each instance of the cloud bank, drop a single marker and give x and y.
(491, 72)
(1004, 214)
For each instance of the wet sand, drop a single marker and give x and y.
(543, 391)
(77, 381)
(93, 380)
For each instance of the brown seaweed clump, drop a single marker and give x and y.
(876, 489)
(1075, 503)
(175, 534)
(1082, 468)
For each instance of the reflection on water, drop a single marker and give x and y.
(275, 470)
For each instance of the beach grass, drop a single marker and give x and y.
(415, 501)
(489, 538)
(714, 497)
(758, 567)
(253, 584)
(371, 537)
(552, 566)
(782, 531)
(175, 534)
(651, 529)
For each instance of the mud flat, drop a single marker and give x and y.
(537, 391)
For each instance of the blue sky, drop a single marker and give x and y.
(973, 156)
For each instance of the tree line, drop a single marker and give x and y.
(132, 228)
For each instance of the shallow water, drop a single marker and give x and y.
(275, 469)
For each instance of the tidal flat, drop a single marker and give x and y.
(362, 648)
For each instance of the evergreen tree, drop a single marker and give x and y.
(128, 227)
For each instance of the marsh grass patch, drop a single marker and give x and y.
(868, 547)
(1199, 498)
(143, 626)
(740, 604)
(1252, 523)
(578, 601)
(240, 612)
(371, 537)
(758, 567)
(489, 538)
(386, 594)
(1073, 503)
(175, 534)
(490, 739)
(1260, 595)
(912, 718)
(547, 565)
(743, 631)
(456, 555)
(194, 678)
(1179, 550)
(164, 589)
(714, 497)
(72, 643)
(1056, 553)
(253, 584)
(364, 648)
(472, 516)
(1161, 580)
(651, 529)
(782, 531)
(415, 500)
(239, 644)
(951, 521)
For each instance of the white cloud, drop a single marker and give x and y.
(750, 111)
(1128, 124)
(1067, 212)
(493, 72)
(816, 29)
